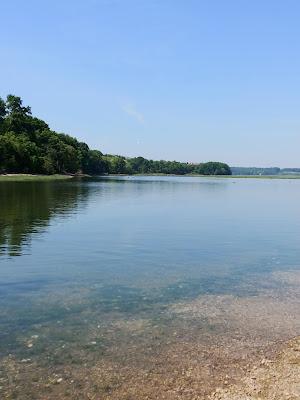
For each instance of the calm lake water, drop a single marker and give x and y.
(91, 269)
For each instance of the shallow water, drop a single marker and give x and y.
(114, 274)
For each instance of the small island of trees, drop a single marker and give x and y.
(28, 145)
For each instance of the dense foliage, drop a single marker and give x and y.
(28, 145)
(143, 166)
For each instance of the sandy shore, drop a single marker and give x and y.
(277, 379)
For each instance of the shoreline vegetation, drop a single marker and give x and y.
(29, 146)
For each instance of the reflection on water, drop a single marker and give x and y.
(141, 287)
(26, 209)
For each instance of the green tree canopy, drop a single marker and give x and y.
(27, 145)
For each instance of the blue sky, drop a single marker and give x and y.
(189, 80)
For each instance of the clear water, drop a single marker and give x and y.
(77, 257)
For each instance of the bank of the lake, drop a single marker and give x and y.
(210, 176)
(30, 177)
(58, 177)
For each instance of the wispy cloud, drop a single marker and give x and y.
(130, 109)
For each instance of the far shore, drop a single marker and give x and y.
(56, 177)
(221, 176)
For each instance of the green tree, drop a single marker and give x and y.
(28, 145)
(96, 165)
(213, 168)
(2, 113)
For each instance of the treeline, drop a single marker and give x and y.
(141, 165)
(28, 145)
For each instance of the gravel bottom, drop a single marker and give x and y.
(277, 379)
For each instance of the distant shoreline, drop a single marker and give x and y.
(56, 177)
(221, 176)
